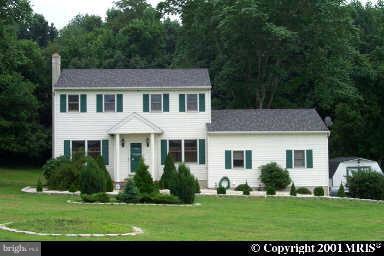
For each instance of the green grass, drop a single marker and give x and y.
(218, 218)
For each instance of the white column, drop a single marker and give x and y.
(153, 155)
(117, 157)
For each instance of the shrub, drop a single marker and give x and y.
(169, 173)
(73, 188)
(197, 186)
(341, 191)
(143, 178)
(185, 186)
(245, 188)
(108, 179)
(63, 176)
(96, 197)
(51, 165)
(303, 191)
(274, 176)
(130, 193)
(318, 191)
(292, 192)
(221, 190)
(92, 178)
(271, 191)
(39, 186)
(366, 184)
(165, 199)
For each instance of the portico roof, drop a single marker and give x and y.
(134, 124)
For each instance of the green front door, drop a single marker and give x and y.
(135, 155)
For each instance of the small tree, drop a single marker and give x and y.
(366, 184)
(143, 178)
(169, 173)
(197, 186)
(272, 175)
(108, 179)
(39, 186)
(318, 191)
(341, 192)
(185, 186)
(292, 192)
(130, 194)
(92, 178)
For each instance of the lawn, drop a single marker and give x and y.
(217, 218)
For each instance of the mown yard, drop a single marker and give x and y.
(218, 218)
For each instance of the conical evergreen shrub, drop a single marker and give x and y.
(143, 179)
(169, 173)
(341, 191)
(130, 193)
(292, 192)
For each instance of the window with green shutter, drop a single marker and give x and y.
(99, 103)
(202, 102)
(181, 102)
(163, 151)
(83, 103)
(228, 159)
(67, 148)
(119, 103)
(248, 159)
(288, 160)
(165, 102)
(201, 151)
(145, 103)
(309, 158)
(63, 103)
(105, 151)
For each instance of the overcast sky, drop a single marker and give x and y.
(60, 12)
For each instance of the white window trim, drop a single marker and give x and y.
(115, 95)
(233, 159)
(161, 102)
(197, 102)
(305, 159)
(73, 94)
(85, 145)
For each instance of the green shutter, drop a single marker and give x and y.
(63, 103)
(163, 151)
(83, 103)
(202, 102)
(99, 103)
(309, 157)
(288, 159)
(248, 159)
(119, 103)
(105, 151)
(67, 148)
(165, 102)
(145, 103)
(201, 151)
(181, 102)
(228, 159)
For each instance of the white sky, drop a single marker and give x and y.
(60, 12)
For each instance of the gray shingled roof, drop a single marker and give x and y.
(133, 78)
(242, 120)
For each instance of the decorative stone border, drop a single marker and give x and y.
(116, 203)
(32, 190)
(135, 231)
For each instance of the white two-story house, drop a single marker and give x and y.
(125, 114)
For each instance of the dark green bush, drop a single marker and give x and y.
(169, 173)
(73, 188)
(143, 179)
(92, 178)
(274, 176)
(366, 184)
(245, 188)
(51, 165)
(130, 193)
(197, 186)
(271, 191)
(341, 191)
(164, 199)
(185, 186)
(221, 190)
(108, 179)
(303, 191)
(63, 177)
(39, 186)
(96, 197)
(292, 192)
(318, 191)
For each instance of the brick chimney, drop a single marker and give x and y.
(56, 67)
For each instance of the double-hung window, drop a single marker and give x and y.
(94, 148)
(73, 103)
(238, 159)
(299, 159)
(78, 147)
(109, 103)
(190, 151)
(192, 103)
(156, 105)
(175, 150)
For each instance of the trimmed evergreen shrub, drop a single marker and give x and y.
(39, 186)
(318, 191)
(341, 191)
(184, 187)
(271, 191)
(366, 184)
(130, 193)
(303, 191)
(73, 188)
(92, 178)
(96, 197)
(245, 188)
(197, 186)
(272, 175)
(169, 173)
(63, 177)
(221, 190)
(108, 179)
(143, 178)
(51, 165)
(292, 192)
(164, 199)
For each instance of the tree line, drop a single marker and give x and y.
(322, 54)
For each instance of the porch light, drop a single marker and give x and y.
(147, 141)
(122, 142)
